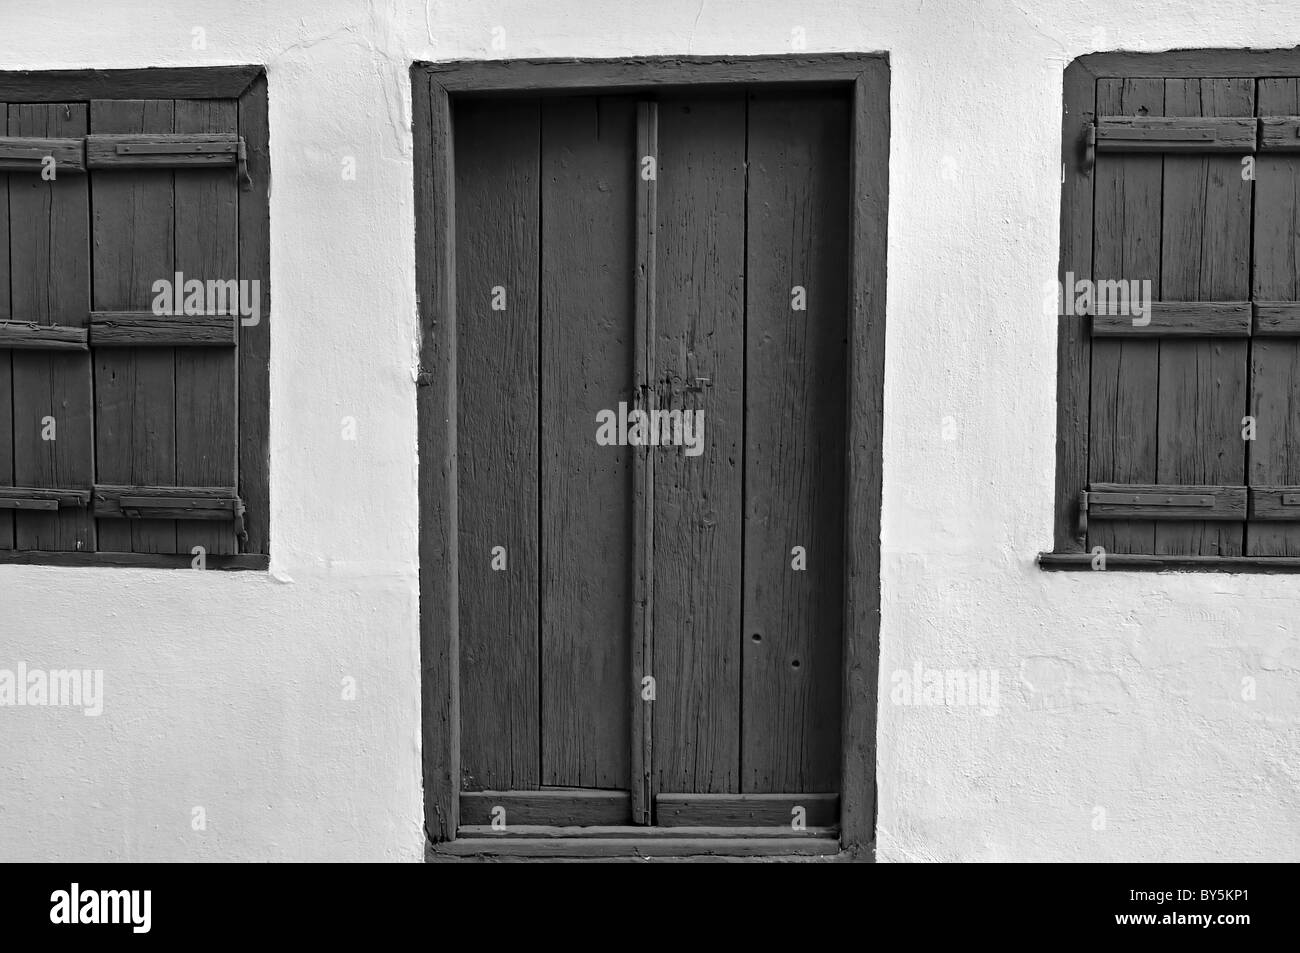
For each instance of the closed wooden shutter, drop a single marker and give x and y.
(119, 414)
(1192, 419)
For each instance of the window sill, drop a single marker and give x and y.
(1082, 562)
(243, 561)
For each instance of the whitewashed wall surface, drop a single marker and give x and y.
(1137, 716)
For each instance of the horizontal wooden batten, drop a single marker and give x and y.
(1214, 319)
(1279, 134)
(35, 337)
(639, 846)
(163, 151)
(1134, 501)
(41, 498)
(1277, 319)
(1275, 503)
(746, 810)
(167, 502)
(1175, 134)
(708, 832)
(169, 151)
(146, 329)
(184, 561)
(564, 808)
(1124, 562)
(26, 154)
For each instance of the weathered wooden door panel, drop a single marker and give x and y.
(587, 211)
(747, 278)
(699, 369)
(795, 398)
(497, 228)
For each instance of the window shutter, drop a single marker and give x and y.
(1274, 529)
(119, 418)
(1166, 456)
(166, 207)
(49, 293)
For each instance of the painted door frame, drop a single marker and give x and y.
(433, 86)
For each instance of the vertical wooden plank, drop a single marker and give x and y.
(643, 481)
(1205, 256)
(254, 419)
(700, 367)
(1274, 455)
(869, 218)
(6, 360)
(1126, 246)
(587, 342)
(435, 273)
(207, 249)
(50, 265)
(497, 259)
(1074, 344)
(795, 397)
(135, 388)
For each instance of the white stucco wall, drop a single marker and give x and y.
(1120, 692)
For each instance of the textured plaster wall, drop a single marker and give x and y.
(1118, 692)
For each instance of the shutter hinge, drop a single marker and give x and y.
(1083, 514)
(423, 378)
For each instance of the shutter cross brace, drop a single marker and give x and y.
(161, 151)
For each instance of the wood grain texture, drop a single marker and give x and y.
(588, 207)
(1074, 348)
(50, 285)
(1082, 562)
(550, 832)
(868, 241)
(497, 223)
(435, 273)
(207, 390)
(556, 847)
(133, 232)
(242, 563)
(1274, 454)
(646, 73)
(1124, 372)
(1166, 502)
(60, 497)
(1275, 318)
(146, 329)
(1275, 503)
(699, 367)
(795, 399)
(6, 357)
(1277, 133)
(200, 143)
(28, 153)
(254, 357)
(1188, 319)
(747, 810)
(1193, 63)
(1175, 134)
(37, 337)
(1205, 256)
(643, 483)
(563, 808)
(58, 86)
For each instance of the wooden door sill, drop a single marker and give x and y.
(686, 843)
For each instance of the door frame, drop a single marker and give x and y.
(433, 87)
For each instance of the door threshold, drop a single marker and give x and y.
(638, 842)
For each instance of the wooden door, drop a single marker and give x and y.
(651, 633)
